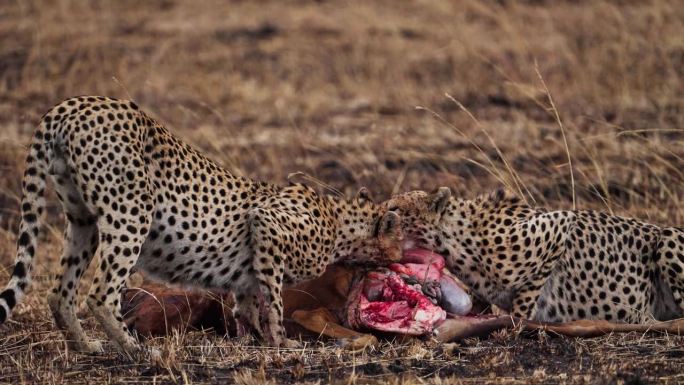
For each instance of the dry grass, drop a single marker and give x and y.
(563, 101)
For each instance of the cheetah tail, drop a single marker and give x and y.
(32, 206)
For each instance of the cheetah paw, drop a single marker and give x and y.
(144, 354)
(88, 347)
(155, 356)
(290, 344)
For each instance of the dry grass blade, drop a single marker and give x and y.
(305, 176)
(492, 168)
(516, 179)
(562, 129)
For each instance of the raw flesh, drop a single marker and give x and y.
(411, 297)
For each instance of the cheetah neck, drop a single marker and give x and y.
(349, 222)
(343, 214)
(461, 227)
(456, 236)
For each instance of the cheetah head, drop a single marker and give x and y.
(421, 216)
(367, 232)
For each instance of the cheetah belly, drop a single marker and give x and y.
(198, 256)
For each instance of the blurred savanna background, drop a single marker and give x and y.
(571, 103)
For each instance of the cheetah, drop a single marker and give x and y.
(551, 266)
(151, 202)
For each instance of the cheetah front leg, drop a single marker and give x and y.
(547, 245)
(270, 277)
(525, 300)
(268, 270)
(247, 310)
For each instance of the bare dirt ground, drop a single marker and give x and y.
(570, 103)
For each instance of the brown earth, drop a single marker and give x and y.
(393, 95)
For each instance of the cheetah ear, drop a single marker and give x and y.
(390, 225)
(438, 200)
(363, 196)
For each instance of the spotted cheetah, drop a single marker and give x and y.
(553, 266)
(151, 202)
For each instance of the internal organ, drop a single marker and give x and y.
(411, 297)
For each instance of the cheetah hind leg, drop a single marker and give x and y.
(80, 246)
(119, 254)
(671, 260)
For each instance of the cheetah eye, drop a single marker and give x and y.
(393, 208)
